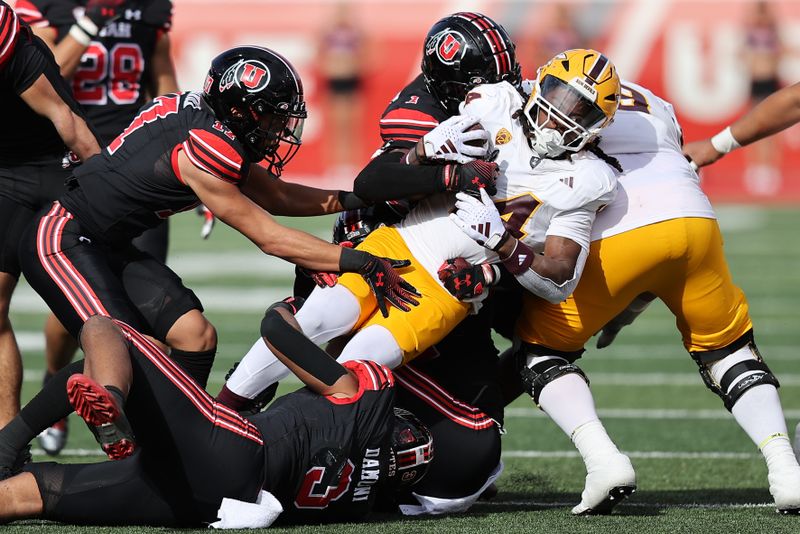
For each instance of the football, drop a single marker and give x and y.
(475, 142)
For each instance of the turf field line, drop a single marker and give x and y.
(627, 504)
(635, 413)
(643, 455)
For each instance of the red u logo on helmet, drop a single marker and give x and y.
(252, 75)
(449, 47)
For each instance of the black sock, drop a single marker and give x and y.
(13, 438)
(51, 403)
(119, 398)
(196, 364)
(47, 376)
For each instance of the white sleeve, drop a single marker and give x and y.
(549, 290)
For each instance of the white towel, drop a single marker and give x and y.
(240, 514)
(436, 505)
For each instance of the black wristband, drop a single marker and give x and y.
(351, 201)
(354, 261)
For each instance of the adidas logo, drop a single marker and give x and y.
(567, 181)
(482, 229)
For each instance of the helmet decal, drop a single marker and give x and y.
(448, 45)
(249, 74)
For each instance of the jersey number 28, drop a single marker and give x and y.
(104, 74)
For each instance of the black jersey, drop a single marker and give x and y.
(410, 115)
(134, 182)
(26, 136)
(326, 457)
(111, 81)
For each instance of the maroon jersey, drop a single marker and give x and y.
(325, 457)
(135, 182)
(111, 81)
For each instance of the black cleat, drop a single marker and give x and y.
(615, 496)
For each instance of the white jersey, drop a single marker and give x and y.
(537, 197)
(646, 139)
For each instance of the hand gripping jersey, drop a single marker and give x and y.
(111, 81)
(326, 457)
(134, 183)
(537, 197)
(646, 139)
(26, 136)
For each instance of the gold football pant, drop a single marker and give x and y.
(681, 261)
(424, 325)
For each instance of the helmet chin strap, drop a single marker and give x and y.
(547, 143)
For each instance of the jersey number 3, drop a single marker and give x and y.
(316, 493)
(105, 74)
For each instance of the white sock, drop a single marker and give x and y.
(758, 411)
(374, 343)
(569, 402)
(779, 455)
(593, 443)
(258, 369)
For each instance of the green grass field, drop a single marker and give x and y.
(697, 471)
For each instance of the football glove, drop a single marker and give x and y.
(480, 220)
(466, 281)
(471, 177)
(459, 138)
(383, 279)
(101, 12)
(208, 220)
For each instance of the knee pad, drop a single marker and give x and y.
(542, 370)
(732, 370)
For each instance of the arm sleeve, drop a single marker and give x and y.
(549, 290)
(387, 177)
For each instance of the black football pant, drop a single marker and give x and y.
(192, 453)
(466, 441)
(79, 277)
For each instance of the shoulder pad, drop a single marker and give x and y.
(44, 13)
(213, 151)
(488, 100)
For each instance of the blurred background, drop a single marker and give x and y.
(710, 58)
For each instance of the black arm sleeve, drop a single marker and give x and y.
(387, 177)
(299, 349)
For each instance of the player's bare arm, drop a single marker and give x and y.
(774, 114)
(44, 100)
(312, 365)
(556, 263)
(162, 80)
(285, 198)
(67, 52)
(228, 203)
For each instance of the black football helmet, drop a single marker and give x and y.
(412, 449)
(258, 95)
(464, 50)
(355, 225)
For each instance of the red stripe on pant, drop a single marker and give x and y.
(218, 414)
(72, 284)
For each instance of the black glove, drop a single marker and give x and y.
(383, 279)
(466, 281)
(471, 177)
(101, 12)
(323, 279)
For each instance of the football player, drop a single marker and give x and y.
(42, 123)
(461, 369)
(551, 185)
(663, 215)
(774, 114)
(183, 149)
(116, 55)
(324, 452)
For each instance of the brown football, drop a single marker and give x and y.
(475, 142)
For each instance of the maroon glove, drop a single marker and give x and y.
(466, 281)
(383, 279)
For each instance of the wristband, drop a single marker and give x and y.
(353, 261)
(520, 258)
(80, 35)
(724, 141)
(496, 241)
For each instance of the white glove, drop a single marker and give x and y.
(479, 219)
(448, 141)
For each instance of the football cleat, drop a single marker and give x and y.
(105, 419)
(607, 486)
(53, 439)
(785, 489)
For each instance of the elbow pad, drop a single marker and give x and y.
(546, 288)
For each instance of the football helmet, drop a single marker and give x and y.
(575, 95)
(464, 50)
(258, 95)
(412, 449)
(355, 225)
